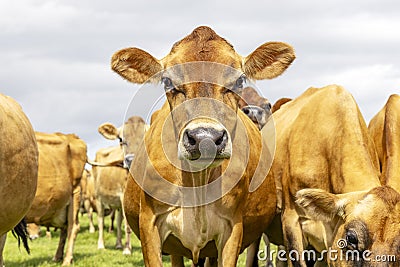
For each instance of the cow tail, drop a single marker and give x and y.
(20, 232)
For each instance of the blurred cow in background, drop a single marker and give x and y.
(111, 178)
(62, 158)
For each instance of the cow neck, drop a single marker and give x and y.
(196, 178)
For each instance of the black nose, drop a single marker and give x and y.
(209, 141)
(128, 160)
(253, 112)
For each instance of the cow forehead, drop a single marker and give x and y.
(203, 44)
(377, 211)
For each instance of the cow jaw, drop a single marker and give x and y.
(204, 142)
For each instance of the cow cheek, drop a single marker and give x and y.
(232, 100)
(175, 99)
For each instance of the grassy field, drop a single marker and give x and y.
(86, 253)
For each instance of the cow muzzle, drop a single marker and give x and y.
(257, 115)
(204, 141)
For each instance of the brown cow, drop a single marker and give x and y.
(111, 180)
(62, 158)
(19, 166)
(185, 209)
(385, 131)
(327, 169)
(256, 107)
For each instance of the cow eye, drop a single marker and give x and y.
(352, 239)
(168, 84)
(238, 86)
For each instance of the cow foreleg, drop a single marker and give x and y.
(100, 222)
(150, 238)
(229, 254)
(118, 245)
(293, 238)
(73, 225)
(128, 247)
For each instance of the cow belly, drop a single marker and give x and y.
(194, 227)
(111, 201)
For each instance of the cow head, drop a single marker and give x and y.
(203, 78)
(367, 227)
(130, 136)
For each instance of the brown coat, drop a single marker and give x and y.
(18, 166)
(225, 226)
(62, 158)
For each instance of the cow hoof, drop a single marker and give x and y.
(126, 251)
(118, 246)
(67, 262)
(92, 230)
(100, 246)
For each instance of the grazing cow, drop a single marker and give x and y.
(385, 131)
(193, 171)
(327, 169)
(62, 158)
(19, 168)
(256, 107)
(111, 180)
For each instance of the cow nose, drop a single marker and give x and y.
(128, 160)
(252, 111)
(209, 141)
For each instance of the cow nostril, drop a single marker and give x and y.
(221, 139)
(190, 139)
(246, 111)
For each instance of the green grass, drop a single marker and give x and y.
(86, 253)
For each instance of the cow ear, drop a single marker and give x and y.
(321, 205)
(268, 60)
(109, 131)
(135, 65)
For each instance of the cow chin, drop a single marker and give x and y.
(204, 142)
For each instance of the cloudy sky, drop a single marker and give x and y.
(55, 54)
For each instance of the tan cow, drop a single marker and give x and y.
(109, 188)
(62, 158)
(329, 173)
(256, 107)
(178, 211)
(385, 131)
(19, 167)
(111, 180)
